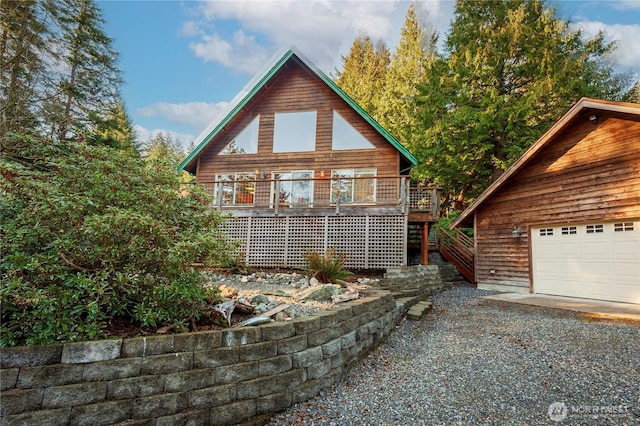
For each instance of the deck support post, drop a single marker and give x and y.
(424, 244)
(219, 197)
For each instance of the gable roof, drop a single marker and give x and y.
(257, 83)
(560, 125)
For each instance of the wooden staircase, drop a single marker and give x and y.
(456, 247)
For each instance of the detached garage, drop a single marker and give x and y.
(565, 218)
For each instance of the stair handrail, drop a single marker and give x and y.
(458, 246)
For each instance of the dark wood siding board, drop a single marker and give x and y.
(587, 173)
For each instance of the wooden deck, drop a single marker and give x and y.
(364, 217)
(347, 196)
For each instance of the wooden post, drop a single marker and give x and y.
(338, 195)
(219, 196)
(276, 201)
(403, 195)
(424, 244)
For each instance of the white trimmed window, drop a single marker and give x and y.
(353, 186)
(293, 189)
(345, 136)
(235, 189)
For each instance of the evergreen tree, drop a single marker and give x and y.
(164, 149)
(396, 107)
(363, 73)
(116, 130)
(87, 81)
(22, 38)
(513, 67)
(58, 73)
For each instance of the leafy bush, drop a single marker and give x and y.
(89, 234)
(446, 220)
(328, 267)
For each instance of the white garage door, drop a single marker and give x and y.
(593, 261)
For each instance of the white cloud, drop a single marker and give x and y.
(241, 53)
(144, 135)
(318, 28)
(626, 4)
(196, 114)
(627, 54)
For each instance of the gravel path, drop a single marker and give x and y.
(480, 362)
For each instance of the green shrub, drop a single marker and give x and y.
(89, 234)
(328, 267)
(446, 220)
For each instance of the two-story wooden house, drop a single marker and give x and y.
(301, 167)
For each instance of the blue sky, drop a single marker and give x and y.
(183, 61)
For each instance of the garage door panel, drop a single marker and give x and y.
(627, 273)
(626, 249)
(594, 249)
(568, 248)
(596, 261)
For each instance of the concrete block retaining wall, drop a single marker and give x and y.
(417, 280)
(211, 378)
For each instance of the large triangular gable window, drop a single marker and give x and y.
(345, 136)
(247, 140)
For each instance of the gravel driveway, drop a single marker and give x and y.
(479, 362)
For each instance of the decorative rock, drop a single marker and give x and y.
(259, 299)
(227, 292)
(320, 293)
(313, 281)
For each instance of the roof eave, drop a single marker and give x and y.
(189, 162)
(250, 94)
(582, 104)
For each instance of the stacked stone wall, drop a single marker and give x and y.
(211, 378)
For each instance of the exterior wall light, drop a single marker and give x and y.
(593, 119)
(516, 233)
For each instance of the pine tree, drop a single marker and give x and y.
(364, 70)
(88, 79)
(513, 67)
(164, 149)
(22, 38)
(395, 107)
(115, 130)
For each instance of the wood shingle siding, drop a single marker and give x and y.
(585, 173)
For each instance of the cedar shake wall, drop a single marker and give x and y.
(587, 173)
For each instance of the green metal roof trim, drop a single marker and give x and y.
(258, 83)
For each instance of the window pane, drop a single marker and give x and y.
(247, 140)
(302, 190)
(364, 189)
(224, 185)
(294, 132)
(345, 136)
(295, 192)
(342, 186)
(284, 196)
(245, 188)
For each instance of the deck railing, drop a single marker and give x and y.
(458, 248)
(324, 192)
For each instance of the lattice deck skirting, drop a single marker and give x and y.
(369, 242)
